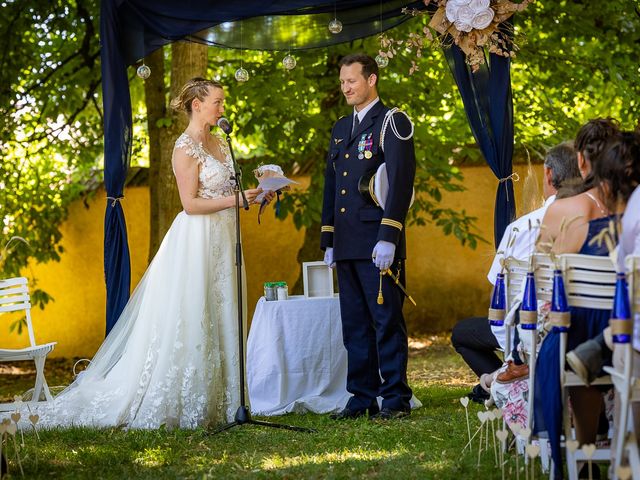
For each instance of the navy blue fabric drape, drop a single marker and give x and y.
(486, 95)
(132, 29)
(117, 141)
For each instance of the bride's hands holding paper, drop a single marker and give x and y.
(268, 197)
(252, 193)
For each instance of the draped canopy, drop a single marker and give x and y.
(132, 29)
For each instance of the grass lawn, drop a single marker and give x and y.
(427, 445)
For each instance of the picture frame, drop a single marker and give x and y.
(317, 279)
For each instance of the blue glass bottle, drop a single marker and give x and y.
(559, 315)
(497, 309)
(529, 307)
(620, 322)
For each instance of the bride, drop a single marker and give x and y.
(172, 357)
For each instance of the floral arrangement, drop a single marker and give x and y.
(470, 24)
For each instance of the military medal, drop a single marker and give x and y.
(362, 146)
(368, 144)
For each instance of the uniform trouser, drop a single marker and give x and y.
(374, 335)
(474, 341)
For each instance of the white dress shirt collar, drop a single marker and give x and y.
(362, 113)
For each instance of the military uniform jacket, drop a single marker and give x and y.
(351, 224)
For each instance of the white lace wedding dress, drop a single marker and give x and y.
(172, 357)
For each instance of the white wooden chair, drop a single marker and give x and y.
(589, 282)
(14, 297)
(543, 268)
(515, 276)
(627, 386)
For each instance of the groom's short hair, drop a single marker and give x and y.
(369, 65)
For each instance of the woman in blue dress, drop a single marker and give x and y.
(614, 174)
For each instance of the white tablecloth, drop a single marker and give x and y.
(296, 361)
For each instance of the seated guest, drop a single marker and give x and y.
(587, 359)
(473, 338)
(608, 186)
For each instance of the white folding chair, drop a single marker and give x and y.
(543, 268)
(515, 277)
(14, 297)
(627, 388)
(589, 282)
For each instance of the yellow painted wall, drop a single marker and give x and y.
(448, 281)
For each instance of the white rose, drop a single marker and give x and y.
(462, 26)
(465, 15)
(482, 19)
(479, 5)
(451, 11)
(458, 3)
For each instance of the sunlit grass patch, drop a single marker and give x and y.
(277, 461)
(153, 457)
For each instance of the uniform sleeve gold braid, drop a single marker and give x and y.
(326, 228)
(391, 223)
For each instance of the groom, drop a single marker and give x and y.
(362, 240)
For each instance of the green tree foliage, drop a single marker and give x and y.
(50, 119)
(578, 60)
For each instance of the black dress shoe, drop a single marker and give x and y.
(388, 414)
(346, 414)
(478, 394)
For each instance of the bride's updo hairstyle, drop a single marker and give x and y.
(197, 87)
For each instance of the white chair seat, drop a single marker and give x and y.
(14, 299)
(572, 380)
(27, 353)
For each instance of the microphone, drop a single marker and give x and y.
(224, 125)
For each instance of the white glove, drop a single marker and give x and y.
(328, 257)
(383, 254)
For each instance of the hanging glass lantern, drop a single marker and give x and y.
(335, 26)
(289, 62)
(143, 71)
(242, 75)
(382, 61)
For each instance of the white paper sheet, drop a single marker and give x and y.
(271, 184)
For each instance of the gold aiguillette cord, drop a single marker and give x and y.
(397, 282)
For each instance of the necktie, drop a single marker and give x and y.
(356, 122)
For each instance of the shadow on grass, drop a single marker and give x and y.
(426, 445)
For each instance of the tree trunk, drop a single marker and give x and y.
(188, 60)
(155, 94)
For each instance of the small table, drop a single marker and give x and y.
(296, 360)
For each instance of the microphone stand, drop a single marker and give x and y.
(243, 414)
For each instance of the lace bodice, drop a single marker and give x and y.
(214, 177)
